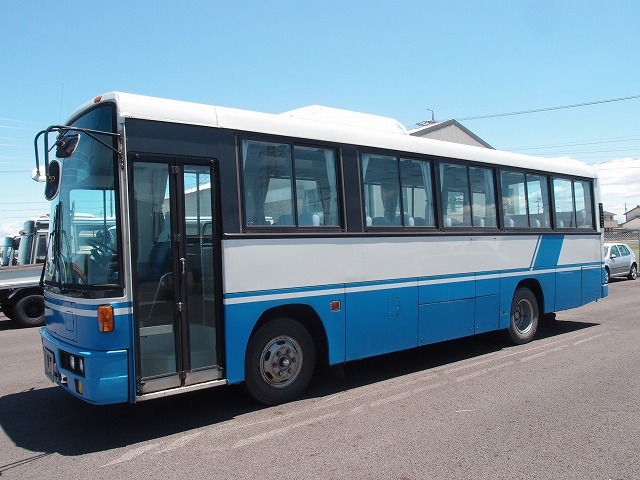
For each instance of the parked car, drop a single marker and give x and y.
(620, 261)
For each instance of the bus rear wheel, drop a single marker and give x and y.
(524, 316)
(279, 361)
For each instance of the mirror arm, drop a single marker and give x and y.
(61, 129)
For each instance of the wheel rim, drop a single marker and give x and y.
(523, 316)
(606, 276)
(634, 272)
(281, 361)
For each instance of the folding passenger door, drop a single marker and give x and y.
(174, 232)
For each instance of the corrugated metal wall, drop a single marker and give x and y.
(452, 133)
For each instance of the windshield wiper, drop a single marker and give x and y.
(56, 249)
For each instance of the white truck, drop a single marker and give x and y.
(21, 298)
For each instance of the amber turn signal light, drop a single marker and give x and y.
(105, 318)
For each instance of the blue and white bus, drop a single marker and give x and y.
(232, 247)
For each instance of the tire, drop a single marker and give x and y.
(279, 361)
(633, 272)
(29, 310)
(607, 275)
(524, 316)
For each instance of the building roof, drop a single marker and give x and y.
(450, 131)
(631, 210)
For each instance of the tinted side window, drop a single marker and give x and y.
(316, 187)
(582, 191)
(268, 186)
(624, 251)
(483, 197)
(563, 197)
(538, 200)
(456, 205)
(381, 190)
(514, 199)
(417, 193)
(274, 195)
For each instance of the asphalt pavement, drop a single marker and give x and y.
(563, 406)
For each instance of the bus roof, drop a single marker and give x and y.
(325, 124)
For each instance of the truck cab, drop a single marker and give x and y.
(23, 256)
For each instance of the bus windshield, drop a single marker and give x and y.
(83, 245)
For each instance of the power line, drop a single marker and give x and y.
(576, 144)
(577, 152)
(548, 109)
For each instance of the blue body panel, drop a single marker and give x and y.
(106, 380)
(374, 317)
(71, 326)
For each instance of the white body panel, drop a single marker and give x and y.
(258, 265)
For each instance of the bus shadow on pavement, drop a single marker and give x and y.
(378, 369)
(50, 420)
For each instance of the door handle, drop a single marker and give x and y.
(183, 266)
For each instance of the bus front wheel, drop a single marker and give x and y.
(524, 316)
(279, 361)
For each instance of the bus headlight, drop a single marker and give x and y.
(72, 363)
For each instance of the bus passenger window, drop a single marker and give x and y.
(381, 190)
(538, 201)
(514, 199)
(563, 197)
(582, 192)
(316, 187)
(417, 193)
(268, 186)
(454, 184)
(483, 197)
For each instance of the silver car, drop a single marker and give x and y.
(620, 261)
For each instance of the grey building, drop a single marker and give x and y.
(448, 131)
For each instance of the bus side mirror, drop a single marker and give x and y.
(66, 145)
(52, 187)
(38, 175)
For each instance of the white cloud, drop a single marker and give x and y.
(9, 229)
(619, 185)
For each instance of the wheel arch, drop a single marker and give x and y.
(308, 318)
(535, 287)
(16, 295)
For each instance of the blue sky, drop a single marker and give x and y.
(397, 59)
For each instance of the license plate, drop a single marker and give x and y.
(49, 365)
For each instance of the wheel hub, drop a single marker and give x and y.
(523, 316)
(281, 362)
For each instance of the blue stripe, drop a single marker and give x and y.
(535, 252)
(86, 306)
(549, 251)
